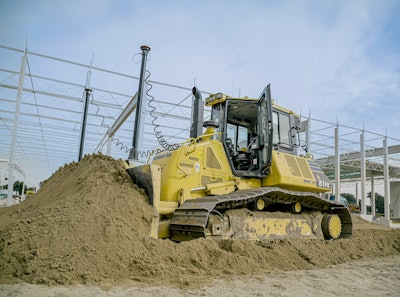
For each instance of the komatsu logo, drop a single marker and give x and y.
(324, 184)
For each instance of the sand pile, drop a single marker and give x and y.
(83, 224)
(89, 223)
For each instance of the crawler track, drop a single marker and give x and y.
(190, 218)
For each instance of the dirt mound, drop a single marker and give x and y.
(83, 225)
(89, 223)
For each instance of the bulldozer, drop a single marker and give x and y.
(242, 178)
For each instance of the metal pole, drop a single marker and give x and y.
(363, 174)
(133, 154)
(337, 165)
(107, 138)
(308, 133)
(357, 194)
(23, 187)
(109, 146)
(83, 129)
(88, 90)
(386, 185)
(373, 206)
(14, 135)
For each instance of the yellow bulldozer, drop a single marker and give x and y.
(241, 178)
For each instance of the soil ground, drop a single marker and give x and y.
(85, 233)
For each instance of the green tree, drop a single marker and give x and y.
(350, 198)
(379, 202)
(17, 187)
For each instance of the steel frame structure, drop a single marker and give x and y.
(51, 92)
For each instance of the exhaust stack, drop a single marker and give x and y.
(197, 114)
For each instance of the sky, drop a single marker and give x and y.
(335, 60)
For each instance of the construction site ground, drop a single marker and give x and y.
(85, 233)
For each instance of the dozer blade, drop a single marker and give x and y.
(146, 177)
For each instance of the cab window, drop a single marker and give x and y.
(281, 129)
(238, 135)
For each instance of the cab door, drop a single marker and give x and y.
(265, 130)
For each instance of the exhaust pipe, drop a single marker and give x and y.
(139, 122)
(197, 114)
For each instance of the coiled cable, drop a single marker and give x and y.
(160, 138)
(114, 139)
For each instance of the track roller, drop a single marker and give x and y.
(259, 204)
(296, 207)
(331, 226)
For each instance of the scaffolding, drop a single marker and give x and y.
(43, 99)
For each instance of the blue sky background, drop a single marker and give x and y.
(338, 60)
(335, 59)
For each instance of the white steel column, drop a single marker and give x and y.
(337, 165)
(363, 174)
(109, 142)
(357, 193)
(373, 205)
(308, 133)
(15, 128)
(386, 184)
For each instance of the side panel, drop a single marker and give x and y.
(295, 173)
(187, 171)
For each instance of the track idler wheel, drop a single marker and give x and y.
(331, 226)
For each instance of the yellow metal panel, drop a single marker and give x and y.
(259, 225)
(292, 164)
(221, 188)
(211, 160)
(273, 227)
(163, 229)
(193, 165)
(292, 173)
(206, 179)
(243, 184)
(167, 207)
(305, 169)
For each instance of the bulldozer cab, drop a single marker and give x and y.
(251, 128)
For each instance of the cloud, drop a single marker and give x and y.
(337, 59)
